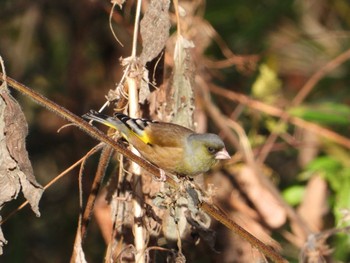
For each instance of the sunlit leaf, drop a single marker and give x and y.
(325, 113)
(267, 85)
(327, 167)
(294, 194)
(275, 126)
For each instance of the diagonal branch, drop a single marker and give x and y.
(116, 145)
(277, 112)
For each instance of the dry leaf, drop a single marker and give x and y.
(16, 172)
(182, 84)
(154, 29)
(15, 132)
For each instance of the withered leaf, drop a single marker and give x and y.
(154, 29)
(182, 83)
(16, 172)
(16, 169)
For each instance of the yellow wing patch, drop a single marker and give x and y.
(144, 137)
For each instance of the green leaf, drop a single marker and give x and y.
(276, 126)
(326, 166)
(267, 86)
(294, 194)
(325, 113)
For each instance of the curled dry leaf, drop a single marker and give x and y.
(154, 29)
(182, 83)
(16, 172)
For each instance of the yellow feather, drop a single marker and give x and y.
(144, 137)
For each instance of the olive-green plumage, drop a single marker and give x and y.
(171, 147)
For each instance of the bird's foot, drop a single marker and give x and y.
(185, 177)
(162, 177)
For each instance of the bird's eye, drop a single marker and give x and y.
(211, 149)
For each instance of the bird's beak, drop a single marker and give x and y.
(221, 155)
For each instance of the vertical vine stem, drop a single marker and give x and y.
(137, 202)
(138, 229)
(136, 28)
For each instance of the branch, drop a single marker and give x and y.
(277, 112)
(116, 145)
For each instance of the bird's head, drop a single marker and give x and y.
(205, 150)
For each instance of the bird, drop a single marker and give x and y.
(171, 147)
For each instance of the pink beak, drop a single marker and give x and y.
(221, 155)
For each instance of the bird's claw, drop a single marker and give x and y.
(162, 176)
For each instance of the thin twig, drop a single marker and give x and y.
(85, 217)
(318, 75)
(111, 26)
(226, 123)
(61, 175)
(274, 111)
(305, 90)
(100, 173)
(78, 242)
(136, 28)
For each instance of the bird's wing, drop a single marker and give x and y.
(134, 127)
(167, 134)
(154, 133)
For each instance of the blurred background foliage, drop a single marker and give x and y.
(65, 50)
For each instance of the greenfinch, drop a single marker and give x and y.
(169, 146)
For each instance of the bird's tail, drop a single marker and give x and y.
(124, 124)
(105, 120)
